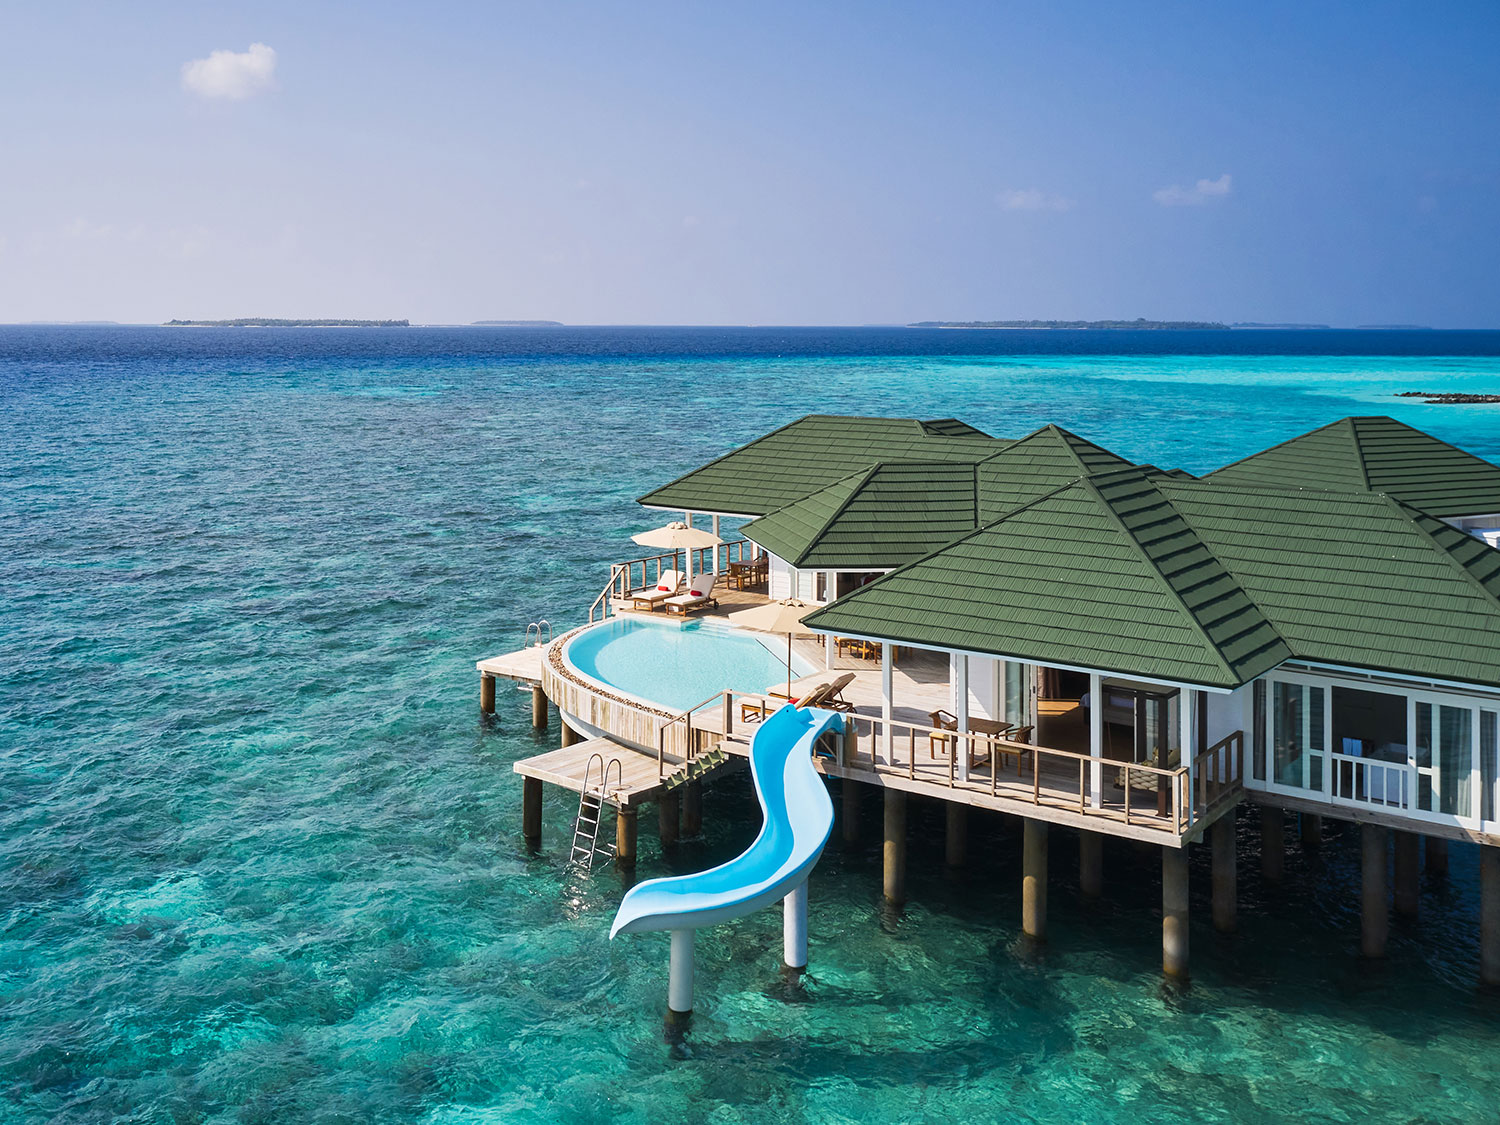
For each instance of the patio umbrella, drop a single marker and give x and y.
(776, 617)
(678, 536)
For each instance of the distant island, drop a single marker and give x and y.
(1284, 327)
(517, 324)
(1139, 324)
(1448, 398)
(1395, 327)
(276, 322)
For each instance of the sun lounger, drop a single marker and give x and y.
(652, 596)
(700, 595)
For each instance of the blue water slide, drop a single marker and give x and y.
(798, 821)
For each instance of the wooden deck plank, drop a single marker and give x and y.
(524, 665)
(565, 768)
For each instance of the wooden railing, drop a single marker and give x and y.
(638, 574)
(1043, 776)
(895, 747)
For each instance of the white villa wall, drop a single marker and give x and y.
(779, 578)
(1226, 714)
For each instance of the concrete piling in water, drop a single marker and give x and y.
(692, 809)
(1489, 915)
(625, 830)
(794, 929)
(487, 694)
(1090, 864)
(1374, 917)
(531, 810)
(895, 846)
(1225, 875)
(1312, 831)
(1174, 912)
(849, 807)
(1436, 857)
(1272, 844)
(668, 818)
(957, 843)
(680, 980)
(1407, 847)
(538, 707)
(1034, 879)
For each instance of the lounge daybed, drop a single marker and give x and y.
(650, 597)
(700, 595)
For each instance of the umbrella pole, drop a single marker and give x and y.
(788, 665)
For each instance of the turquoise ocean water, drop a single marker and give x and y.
(260, 856)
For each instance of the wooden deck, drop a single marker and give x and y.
(524, 665)
(565, 768)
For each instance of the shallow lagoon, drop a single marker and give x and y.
(260, 855)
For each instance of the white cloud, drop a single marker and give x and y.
(230, 74)
(1195, 196)
(1032, 199)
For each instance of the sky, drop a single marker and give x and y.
(767, 163)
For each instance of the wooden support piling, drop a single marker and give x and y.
(1437, 857)
(1374, 917)
(668, 810)
(531, 809)
(570, 736)
(1489, 915)
(538, 707)
(1090, 864)
(895, 846)
(1225, 875)
(1174, 911)
(849, 806)
(1312, 831)
(487, 694)
(958, 835)
(625, 830)
(1407, 847)
(1034, 879)
(1272, 844)
(692, 808)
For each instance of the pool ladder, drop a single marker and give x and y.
(586, 844)
(542, 630)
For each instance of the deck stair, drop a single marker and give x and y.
(596, 790)
(697, 769)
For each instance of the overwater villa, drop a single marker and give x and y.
(1041, 627)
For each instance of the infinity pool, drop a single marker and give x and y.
(677, 664)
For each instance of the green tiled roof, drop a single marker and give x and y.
(1034, 466)
(812, 453)
(1381, 455)
(881, 517)
(1357, 578)
(1101, 573)
(1198, 582)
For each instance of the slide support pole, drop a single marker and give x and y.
(794, 928)
(680, 982)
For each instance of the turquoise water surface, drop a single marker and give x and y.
(679, 664)
(260, 855)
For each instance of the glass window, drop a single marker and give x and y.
(1489, 774)
(1258, 731)
(1455, 760)
(1297, 747)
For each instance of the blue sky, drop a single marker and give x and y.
(766, 163)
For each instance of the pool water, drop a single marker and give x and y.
(680, 664)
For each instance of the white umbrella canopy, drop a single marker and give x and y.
(776, 617)
(678, 536)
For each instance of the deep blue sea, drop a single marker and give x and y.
(260, 855)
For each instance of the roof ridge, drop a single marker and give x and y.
(869, 471)
(1359, 450)
(1278, 445)
(1197, 626)
(1416, 516)
(727, 454)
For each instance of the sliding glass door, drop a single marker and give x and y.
(1298, 736)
